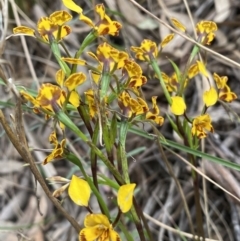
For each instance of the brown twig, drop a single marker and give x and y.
(18, 139)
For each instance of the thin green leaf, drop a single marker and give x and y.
(186, 149)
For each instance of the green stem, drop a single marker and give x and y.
(56, 51)
(125, 231)
(85, 117)
(104, 82)
(62, 117)
(162, 83)
(117, 218)
(123, 130)
(93, 156)
(71, 157)
(86, 42)
(105, 160)
(68, 122)
(189, 62)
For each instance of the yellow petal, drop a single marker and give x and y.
(155, 109)
(74, 61)
(220, 81)
(178, 106)
(53, 138)
(58, 152)
(156, 118)
(60, 17)
(193, 71)
(60, 76)
(166, 40)
(86, 20)
(206, 26)
(24, 30)
(90, 234)
(75, 80)
(201, 124)
(28, 97)
(132, 68)
(72, 6)
(65, 31)
(49, 158)
(226, 94)
(50, 95)
(74, 98)
(46, 27)
(114, 235)
(137, 82)
(202, 68)
(119, 57)
(100, 9)
(125, 197)
(79, 191)
(94, 219)
(178, 25)
(210, 97)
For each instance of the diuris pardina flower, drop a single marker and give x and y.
(153, 113)
(147, 50)
(131, 107)
(205, 31)
(201, 125)
(71, 83)
(197, 68)
(58, 151)
(98, 228)
(108, 58)
(104, 26)
(170, 82)
(48, 27)
(133, 72)
(225, 92)
(50, 98)
(221, 82)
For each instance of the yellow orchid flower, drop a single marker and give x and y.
(58, 151)
(48, 27)
(98, 227)
(104, 26)
(147, 50)
(201, 125)
(205, 31)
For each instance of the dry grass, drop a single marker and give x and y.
(25, 211)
